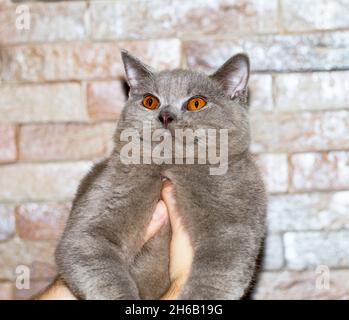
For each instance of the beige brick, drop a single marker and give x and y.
(273, 252)
(36, 287)
(49, 102)
(4, 4)
(309, 211)
(6, 291)
(325, 15)
(302, 286)
(47, 22)
(312, 91)
(260, 92)
(320, 171)
(65, 141)
(299, 132)
(105, 100)
(7, 221)
(189, 19)
(314, 248)
(319, 51)
(37, 221)
(76, 61)
(50, 181)
(38, 256)
(274, 170)
(8, 150)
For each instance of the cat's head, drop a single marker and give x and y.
(182, 99)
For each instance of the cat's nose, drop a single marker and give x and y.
(166, 117)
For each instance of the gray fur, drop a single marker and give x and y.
(100, 255)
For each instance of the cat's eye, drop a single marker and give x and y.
(195, 103)
(150, 102)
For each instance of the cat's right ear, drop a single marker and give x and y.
(136, 71)
(233, 76)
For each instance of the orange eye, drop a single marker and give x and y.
(195, 104)
(150, 102)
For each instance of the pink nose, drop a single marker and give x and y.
(166, 118)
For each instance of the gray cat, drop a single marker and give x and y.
(101, 255)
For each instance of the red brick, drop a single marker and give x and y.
(8, 150)
(41, 221)
(65, 141)
(105, 100)
(6, 291)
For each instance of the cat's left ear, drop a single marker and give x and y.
(233, 76)
(136, 71)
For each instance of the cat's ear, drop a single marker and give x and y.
(233, 76)
(136, 71)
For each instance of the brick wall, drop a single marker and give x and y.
(61, 92)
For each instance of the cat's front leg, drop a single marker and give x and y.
(105, 230)
(93, 269)
(223, 263)
(224, 218)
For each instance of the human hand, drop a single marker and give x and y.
(181, 252)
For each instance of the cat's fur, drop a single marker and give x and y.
(100, 255)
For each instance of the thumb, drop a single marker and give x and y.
(167, 194)
(157, 221)
(181, 251)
